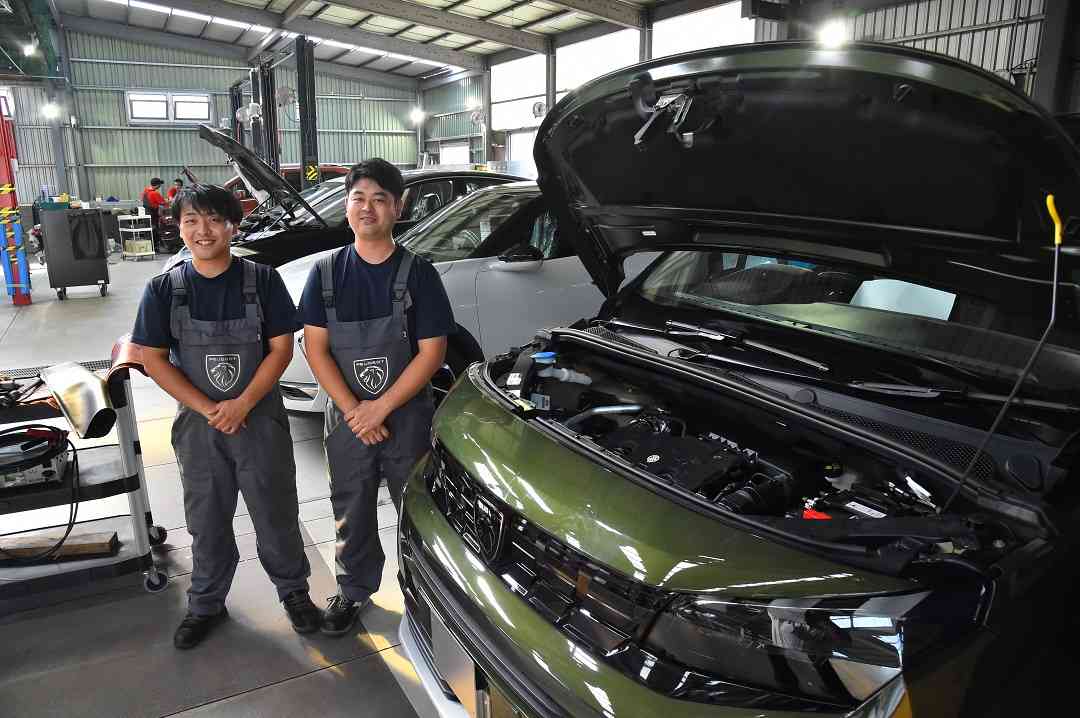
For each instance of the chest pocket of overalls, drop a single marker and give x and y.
(218, 357)
(372, 353)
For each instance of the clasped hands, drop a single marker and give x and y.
(367, 420)
(228, 416)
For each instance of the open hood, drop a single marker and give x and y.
(261, 180)
(902, 160)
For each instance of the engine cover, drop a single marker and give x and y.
(688, 461)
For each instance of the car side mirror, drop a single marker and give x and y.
(520, 258)
(523, 252)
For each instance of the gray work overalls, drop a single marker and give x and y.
(220, 358)
(371, 355)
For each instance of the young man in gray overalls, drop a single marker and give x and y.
(376, 319)
(217, 334)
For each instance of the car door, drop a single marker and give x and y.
(517, 295)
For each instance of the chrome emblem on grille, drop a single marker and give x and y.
(490, 526)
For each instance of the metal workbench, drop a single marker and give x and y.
(104, 471)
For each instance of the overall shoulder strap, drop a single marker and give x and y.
(326, 274)
(177, 298)
(251, 287)
(401, 279)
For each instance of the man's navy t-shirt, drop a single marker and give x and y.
(216, 299)
(363, 291)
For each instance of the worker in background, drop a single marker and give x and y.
(217, 332)
(376, 318)
(178, 184)
(152, 202)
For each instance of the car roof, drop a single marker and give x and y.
(436, 173)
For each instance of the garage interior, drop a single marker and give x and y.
(99, 96)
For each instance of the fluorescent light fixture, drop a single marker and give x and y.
(231, 23)
(192, 15)
(342, 45)
(50, 111)
(148, 6)
(833, 34)
(416, 116)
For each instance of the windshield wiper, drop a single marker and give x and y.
(902, 391)
(681, 329)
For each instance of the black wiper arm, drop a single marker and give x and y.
(681, 329)
(912, 391)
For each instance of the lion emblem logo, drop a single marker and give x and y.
(372, 373)
(223, 370)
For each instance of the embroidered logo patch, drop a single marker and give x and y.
(223, 370)
(372, 373)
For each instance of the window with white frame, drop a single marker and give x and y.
(168, 107)
(191, 108)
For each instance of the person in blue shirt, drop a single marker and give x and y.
(376, 318)
(217, 333)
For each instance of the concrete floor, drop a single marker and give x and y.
(107, 651)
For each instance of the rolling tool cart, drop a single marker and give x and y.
(75, 250)
(136, 235)
(89, 407)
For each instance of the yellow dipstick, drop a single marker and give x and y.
(1052, 208)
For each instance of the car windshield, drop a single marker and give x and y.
(328, 199)
(456, 231)
(990, 337)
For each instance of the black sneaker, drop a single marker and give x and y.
(341, 615)
(305, 617)
(193, 629)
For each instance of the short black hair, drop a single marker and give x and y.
(178, 181)
(385, 174)
(156, 181)
(208, 198)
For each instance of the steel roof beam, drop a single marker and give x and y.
(612, 11)
(293, 11)
(380, 43)
(437, 18)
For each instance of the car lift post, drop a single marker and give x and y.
(310, 174)
(257, 134)
(236, 101)
(12, 238)
(268, 100)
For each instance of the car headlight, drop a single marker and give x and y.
(836, 652)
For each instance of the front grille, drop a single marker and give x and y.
(606, 612)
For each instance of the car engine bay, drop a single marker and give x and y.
(749, 461)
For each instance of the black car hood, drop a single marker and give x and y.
(870, 154)
(259, 177)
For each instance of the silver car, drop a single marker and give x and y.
(506, 271)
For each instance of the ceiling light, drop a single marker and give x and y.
(148, 6)
(192, 15)
(416, 116)
(342, 45)
(50, 111)
(29, 48)
(231, 23)
(832, 34)
(262, 28)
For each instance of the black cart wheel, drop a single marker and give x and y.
(104, 289)
(61, 294)
(156, 582)
(157, 535)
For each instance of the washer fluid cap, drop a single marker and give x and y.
(544, 357)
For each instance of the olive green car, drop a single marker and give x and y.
(780, 473)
